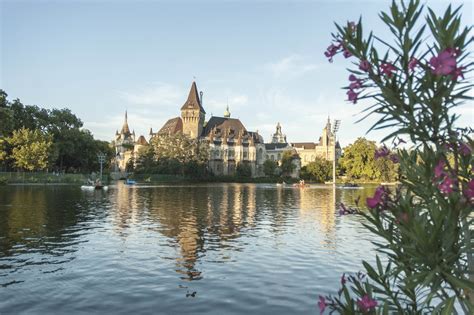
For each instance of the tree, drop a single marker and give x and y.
(287, 165)
(269, 167)
(31, 149)
(359, 162)
(243, 170)
(318, 171)
(424, 227)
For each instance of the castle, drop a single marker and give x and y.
(230, 142)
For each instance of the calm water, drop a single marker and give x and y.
(213, 249)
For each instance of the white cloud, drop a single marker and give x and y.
(290, 67)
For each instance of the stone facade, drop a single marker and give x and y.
(229, 141)
(275, 149)
(126, 146)
(324, 148)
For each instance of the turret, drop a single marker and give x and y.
(193, 114)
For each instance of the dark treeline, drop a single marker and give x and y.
(64, 145)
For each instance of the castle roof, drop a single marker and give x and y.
(223, 123)
(172, 126)
(125, 129)
(275, 146)
(193, 101)
(304, 145)
(142, 141)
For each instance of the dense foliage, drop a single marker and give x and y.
(359, 162)
(318, 171)
(424, 227)
(287, 166)
(174, 155)
(72, 148)
(270, 167)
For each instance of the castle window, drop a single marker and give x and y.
(246, 155)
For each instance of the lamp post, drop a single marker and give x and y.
(335, 128)
(101, 157)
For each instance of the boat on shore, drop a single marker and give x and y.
(130, 182)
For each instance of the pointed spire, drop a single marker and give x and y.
(193, 101)
(227, 113)
(125, 128)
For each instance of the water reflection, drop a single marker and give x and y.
(227, 236)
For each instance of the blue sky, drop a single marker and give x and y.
(100, 58)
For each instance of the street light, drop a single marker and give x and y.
(335, 128)
(101, 157)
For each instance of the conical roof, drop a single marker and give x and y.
(193, 101)
(125, 128)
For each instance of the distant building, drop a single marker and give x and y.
(230, 143)
(275, 150)
(126, 147)
(324, 148)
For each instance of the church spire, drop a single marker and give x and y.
(193, 101)
(227, 113)
(125, 128)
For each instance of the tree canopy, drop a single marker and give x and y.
(72, 148)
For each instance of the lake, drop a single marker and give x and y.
(176, 249)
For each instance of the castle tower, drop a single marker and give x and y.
(278, 136)
(326, 137)
(193, 114)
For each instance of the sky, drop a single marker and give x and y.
(262, 58)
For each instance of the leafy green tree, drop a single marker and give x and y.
(31, 149)
(318, 171)
(269, 167)
(180, 147)
(358, 160)
(146, 160)
(6, 115)
(287, 165)
(243, 170)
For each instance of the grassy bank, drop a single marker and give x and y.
(41, 178)
(161, 178)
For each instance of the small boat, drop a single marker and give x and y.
(130, 182)
(97, 185)
(94, 187)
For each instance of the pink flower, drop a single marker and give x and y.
(412, 63)
(457, 72)
(382, 152)
(439, 169)
(377, 199)
(355, 85)
(366, 303)
(352, 96)
(387, 69)
(347, 53)
(444, 63)
(352, 26)
(446, 186)
(343, 279)
(464, 149)
(332, 50)
(322, 304)
(364, 66)
(353, 78)
(469, 191)
(394, 158)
